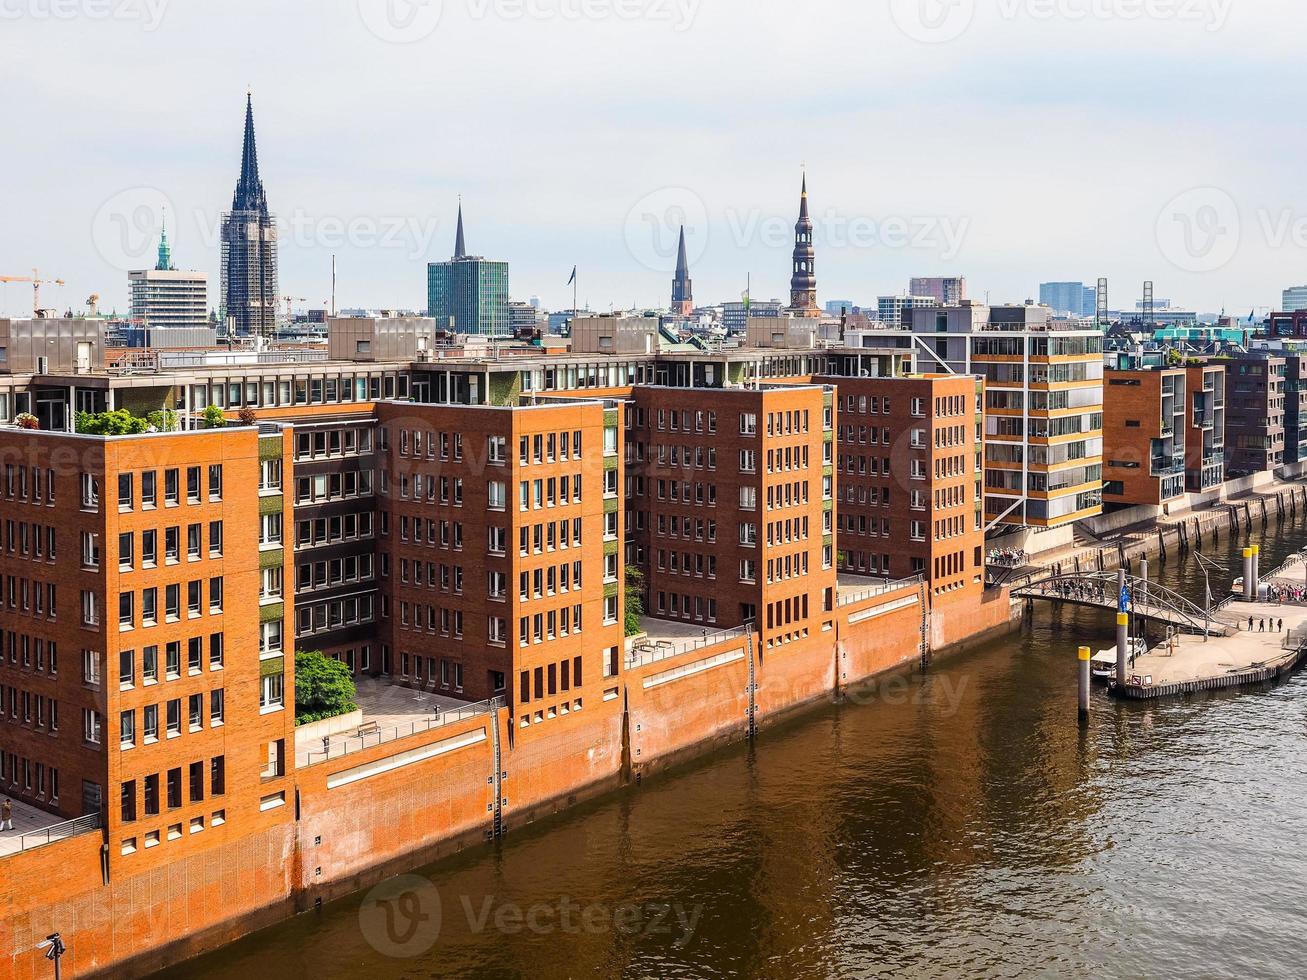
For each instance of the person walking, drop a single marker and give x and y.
(1250, 624)
(1263, 625)
(1280, 627)
(6, 815)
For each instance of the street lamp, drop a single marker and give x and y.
(54, 948)
(1205, 563)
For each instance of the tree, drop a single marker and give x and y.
(117, 423)
(634, 600)
(248, 416)
(164, 420)
(324, 688)
(213, 417)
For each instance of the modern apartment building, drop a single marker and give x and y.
(468, 294)
(944, 290)
(1204, 436)
(164, 297)
(1043, 403)
(891, 309)
(1069, 298)
(1144, 429)
(1254, 418)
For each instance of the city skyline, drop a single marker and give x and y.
(351, 179)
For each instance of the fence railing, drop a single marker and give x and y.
(652, 651)
(871, 591)
(48, 835)
(366, 736)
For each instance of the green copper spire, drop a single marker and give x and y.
(165, 250)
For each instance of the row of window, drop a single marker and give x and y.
(196, 486)
(333, 486)
(699, 608)
(27, 708)
(149, 603)
(173, 719)
(30, 540)
(146, 669)
(32, 652)
(26, 777)
(332, 442)
(193, 781)
(549, 680)
(29, 484)
(687, 563)
(31, 597)
(334, 614)
(325, 530)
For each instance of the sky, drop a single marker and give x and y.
(1010, 141)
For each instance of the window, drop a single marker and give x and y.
(127, 668)
(270, 531)
(174, 717)
(150, 723)
(127, 729)
(125, 494)
(170, 487)
(215, 481)
(217, 706)
(91, 725)
(193, 484)
(272, 691)
(149, 490)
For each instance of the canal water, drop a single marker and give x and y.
(954, 824)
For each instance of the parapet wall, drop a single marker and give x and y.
(359, 818)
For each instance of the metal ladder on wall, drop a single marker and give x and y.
(497, 781)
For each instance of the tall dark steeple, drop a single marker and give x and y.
(803, 281)
(249, 248)
(249, 194)
(460, 246)
(682, 291)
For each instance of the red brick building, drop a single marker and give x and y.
(909, 465)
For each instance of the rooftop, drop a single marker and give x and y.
(388, 712)
(35, 828)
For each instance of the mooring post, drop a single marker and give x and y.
(1084, 685)
(1122, 630)
(1248, 588)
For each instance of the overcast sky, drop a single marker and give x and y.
(1010, 141)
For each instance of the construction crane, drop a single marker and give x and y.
(292, 299)
(36, 281)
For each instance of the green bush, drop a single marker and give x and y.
(164, 420)
(634, 600)
(116, 423)
(324, 688)
(213, 417)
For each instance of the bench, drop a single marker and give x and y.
(368, 728)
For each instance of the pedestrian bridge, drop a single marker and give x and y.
(1148, 600)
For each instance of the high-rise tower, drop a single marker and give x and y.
(803, 282)
(249, 249)
(682, 289)
(468, 294)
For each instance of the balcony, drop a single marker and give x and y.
(1167, 465)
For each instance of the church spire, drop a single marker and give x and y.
(249, 189)
(803, 282)
(682, 291)
(165, 250)
(460, 245)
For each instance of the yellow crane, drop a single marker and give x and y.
(36, 281)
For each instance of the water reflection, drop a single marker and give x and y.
(960, 823)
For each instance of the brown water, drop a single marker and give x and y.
(953, 824)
